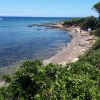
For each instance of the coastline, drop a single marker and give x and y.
(80, 43)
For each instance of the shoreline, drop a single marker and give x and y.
(70, 52)
(80, 43)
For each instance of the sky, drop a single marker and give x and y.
(48, 8)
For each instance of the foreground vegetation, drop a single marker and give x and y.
(75, 81)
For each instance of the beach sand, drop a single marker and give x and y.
(80, 43)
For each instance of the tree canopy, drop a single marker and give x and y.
(97, 8)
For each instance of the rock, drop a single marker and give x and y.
(29, 26)
(89, 39)
(74, 60)
(82, 45)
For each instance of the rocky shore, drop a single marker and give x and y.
(47, 25)
(80, 43)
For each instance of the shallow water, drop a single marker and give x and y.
(19, 42)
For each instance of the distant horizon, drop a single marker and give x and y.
(49, 16)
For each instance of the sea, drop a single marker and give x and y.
(18, 42)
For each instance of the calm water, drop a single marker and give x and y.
(19, 42)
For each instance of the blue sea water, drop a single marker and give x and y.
(20, 42)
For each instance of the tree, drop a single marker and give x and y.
(88, 22)
(97, 8)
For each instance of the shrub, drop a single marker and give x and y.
(33, 80)
(96, 32)
(7, 78)
(88, 22)
(97, 25)
(73, 21)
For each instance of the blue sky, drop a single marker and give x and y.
(47, 8)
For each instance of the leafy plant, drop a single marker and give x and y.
(97, 8)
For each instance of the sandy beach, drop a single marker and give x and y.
(80, 43)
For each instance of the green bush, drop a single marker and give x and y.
(73, 21)
(67, 23)
(84, 23)
(33, 80)
(96, 32)
(88, 22)
(7, 78)
(97, 25)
